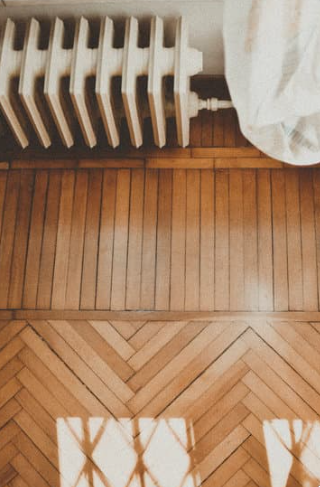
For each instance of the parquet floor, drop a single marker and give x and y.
(159, 404)
(151, 239)
(229, 399)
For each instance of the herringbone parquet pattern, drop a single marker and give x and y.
(166, 404)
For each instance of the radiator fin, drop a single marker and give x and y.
(79, 64)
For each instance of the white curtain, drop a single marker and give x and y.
(272, 56)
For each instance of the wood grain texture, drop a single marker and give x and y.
(218, 397)
(160, 240)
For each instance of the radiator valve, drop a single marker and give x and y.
(213, 104)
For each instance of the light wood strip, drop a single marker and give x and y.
(316, 196)
(29, 475)
(192, 277)
(177, 364)
(178, 242)
(9, 390)
(90, 251)
(9, 410)
(48, 251)
(222, 265)
(165, 355)
(236, 241)
(117, 342)
(250, 240)
(63, 241)
(179, 163)
(225, 152)
(55, 365)
(163, 262)
(38, 460)
(279, 366)
(247, 163)
(106, 240)
(308, 242)
(229, 471)
(111, 163)
(158, 341)
(119, 268)
(133, 286)
(77, 241)
(294, 241)
(10, 330)
(280, 257)
(7, 235)
(265, 242)
(223, 451)
(55, 392)
(149, 243)
(207, 240)
(35, 240)
(88, 355)
(20, 241)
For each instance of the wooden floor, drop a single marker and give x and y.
(150, 239)
(217, 237)
(195, 403)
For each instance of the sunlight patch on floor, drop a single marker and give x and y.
(293, 447)
(144, 452)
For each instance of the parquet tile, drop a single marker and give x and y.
(168, 403)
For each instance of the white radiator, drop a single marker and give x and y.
(103, 63)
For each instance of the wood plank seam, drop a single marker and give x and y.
(228, 394)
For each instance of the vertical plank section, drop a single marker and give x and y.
(91, 240)
(178, 242)
(77, 241)
(63, 241)
(3, 185)
(119, 271)
(316, 193)
(206, 129)
(207, 240)
(250, 240)
(241, 141)
(280, 257)
(21, 241)
(164, 240)
(308, 237)
(222, 241)
(265, 241)
(35, 240)
(294, 240)
(192, 293)
(106, 239)
(229, 133)
(236, 241)
(135, 240)
(171, 132)
(218, 129)
(149, 245)
(7, 236)
(49, 241)
(195, 132)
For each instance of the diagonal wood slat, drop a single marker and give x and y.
(213, 404)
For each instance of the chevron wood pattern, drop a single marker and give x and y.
(184, 403)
